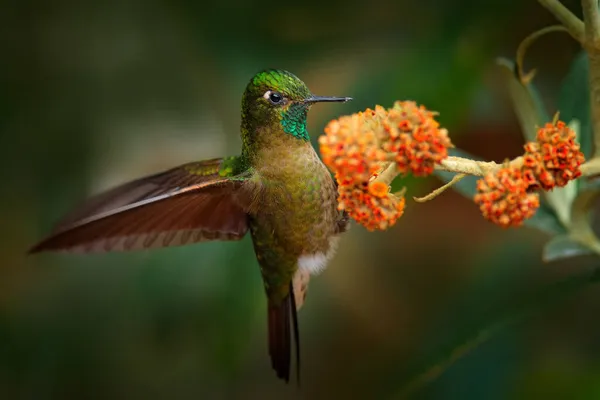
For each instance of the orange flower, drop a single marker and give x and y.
(358, 146)
(414, 136)
(351, 149)
(378, 189)
(554, 159)
(374, 208)
(503, 198)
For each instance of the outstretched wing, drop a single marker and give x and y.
(194, 202)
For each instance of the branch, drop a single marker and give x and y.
(466, 166)
(591, 17)
(525, 78)
(591, 168)
(471, 167)
(592, 47)
(573, 24)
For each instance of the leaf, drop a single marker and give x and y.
(563, 246)
(574, 100)
(545, 219)
(527, 102)
(580, 229)
(540, 300)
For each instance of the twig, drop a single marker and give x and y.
(459, 352)
(591, 168)
(466, 166)
(471, 167)
(457, 178)
(573, 24)
(525, 78)
(591, 18)
(388, 174)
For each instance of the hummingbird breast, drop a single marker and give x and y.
(293, 221)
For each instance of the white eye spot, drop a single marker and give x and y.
(275, 98)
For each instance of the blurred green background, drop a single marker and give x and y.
(95, 93)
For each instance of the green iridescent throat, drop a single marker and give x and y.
(293, 121)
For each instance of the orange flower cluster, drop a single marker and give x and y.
(415, 137)
(374, 208)
(505, 196)
(357, 147)
(554, 159)
(350, 146)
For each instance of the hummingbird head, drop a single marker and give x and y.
(277, 97)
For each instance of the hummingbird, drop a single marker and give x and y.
(277, 189)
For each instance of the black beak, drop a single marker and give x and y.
(323, 99)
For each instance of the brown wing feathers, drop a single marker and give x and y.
(172, 208)
(168, 209)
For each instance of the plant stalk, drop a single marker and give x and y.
(573, 24)
(591, 17)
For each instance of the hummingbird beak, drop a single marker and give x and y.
(323, 99)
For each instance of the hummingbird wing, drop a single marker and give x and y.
(191, 203)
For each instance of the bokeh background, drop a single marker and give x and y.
(95, 93)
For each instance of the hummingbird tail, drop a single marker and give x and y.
(281, 316)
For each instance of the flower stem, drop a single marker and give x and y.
(472, 167)
(591, 17)
(467, 166)
(591, 168)
(573, 24)
(388, 174)
(457, 178)
(525, 78)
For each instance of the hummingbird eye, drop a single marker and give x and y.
(274, 97)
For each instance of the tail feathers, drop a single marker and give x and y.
(281, 317)
(296, 330)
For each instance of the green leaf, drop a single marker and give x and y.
(563, 246)
(526, 100)
(580, 229)
(545, 220)
(574, 100)
(560, 200)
